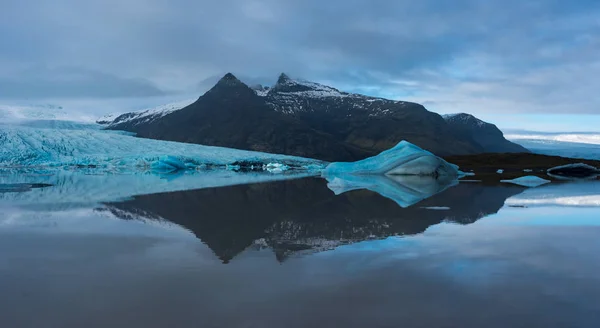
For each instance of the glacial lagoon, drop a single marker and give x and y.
(264, 250)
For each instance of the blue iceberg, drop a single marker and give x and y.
(404, 159)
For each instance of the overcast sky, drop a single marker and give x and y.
(501, 60)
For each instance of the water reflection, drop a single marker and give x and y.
(138, 262)
(405, 190)
(304, 216)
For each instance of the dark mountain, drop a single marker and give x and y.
(301, 118)
(232, 115)
(486, 135)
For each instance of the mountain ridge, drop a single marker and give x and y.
(302, 118)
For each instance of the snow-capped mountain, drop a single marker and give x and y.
(487, 135)
(300, 118)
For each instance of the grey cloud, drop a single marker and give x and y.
(514, 56)
(73, 82)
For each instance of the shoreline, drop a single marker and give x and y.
(514, 165)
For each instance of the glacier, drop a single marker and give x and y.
(43, 145)
(403, 159)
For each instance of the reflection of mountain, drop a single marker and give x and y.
(304, 215)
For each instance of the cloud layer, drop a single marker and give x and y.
(467, 55)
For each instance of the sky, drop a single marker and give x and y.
(521, 64)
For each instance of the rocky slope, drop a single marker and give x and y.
(486, 135)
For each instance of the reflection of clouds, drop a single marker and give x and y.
(584, 194)
(88, 221)
(559, 201)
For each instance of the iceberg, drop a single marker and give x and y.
(577, 171)
(25, 146)
(528, 181)
(405, 190)
(404, 159)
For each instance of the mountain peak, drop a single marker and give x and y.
(283, 78)
(229, 80)
(230, 84)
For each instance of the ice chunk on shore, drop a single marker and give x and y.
(405, 190)
(577, 171)
(528, 181)
(404, 159)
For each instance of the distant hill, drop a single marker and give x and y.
(486, 135)
(301, 118)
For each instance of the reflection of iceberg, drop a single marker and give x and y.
(528, 181)
(74, 189)
(297, 217)
(406, 174)
(570, 194)
(404, 159)
(25, 146)
(403, 189)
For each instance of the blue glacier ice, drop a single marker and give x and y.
(404, 159)
(59, 144)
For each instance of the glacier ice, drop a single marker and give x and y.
(405, 190)
(528, 181)
(108, 151)
(403, 159)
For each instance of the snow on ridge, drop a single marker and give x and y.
(145, 115)
(465, 118)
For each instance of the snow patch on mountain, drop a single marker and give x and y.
(465, 118)
(145, 115)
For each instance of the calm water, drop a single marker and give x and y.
(293, 254)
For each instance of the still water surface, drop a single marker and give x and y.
(293, 254)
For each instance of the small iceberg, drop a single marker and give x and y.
(577, 171)
(404, 159)
(528, 181)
